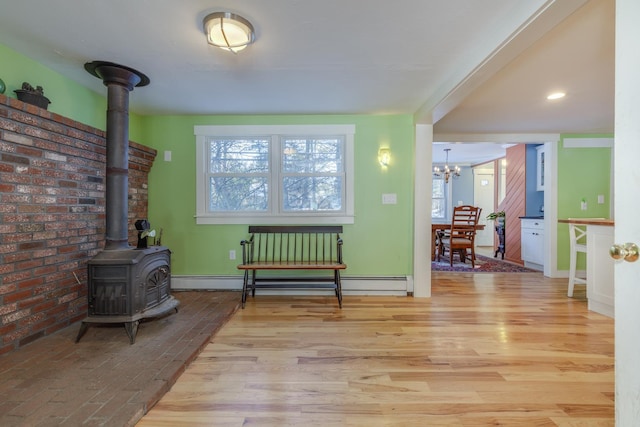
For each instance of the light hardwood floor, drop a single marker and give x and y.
(484, 350)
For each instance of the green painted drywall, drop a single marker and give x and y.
(380, 241)
(68, 98)
(582, 173)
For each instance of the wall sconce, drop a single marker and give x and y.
(384, 157)
(228, 31)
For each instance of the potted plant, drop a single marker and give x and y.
(33, 96)
(498, 217)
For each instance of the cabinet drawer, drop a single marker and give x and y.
(536, 224)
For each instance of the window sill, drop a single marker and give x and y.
(271, 220)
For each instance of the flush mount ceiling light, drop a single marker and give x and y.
(556, 95)
(228, 31)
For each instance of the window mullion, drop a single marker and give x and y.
(275, 168)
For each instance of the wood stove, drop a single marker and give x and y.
(125, 284)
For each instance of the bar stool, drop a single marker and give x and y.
(577, 236)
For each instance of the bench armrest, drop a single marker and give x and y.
(247, 249)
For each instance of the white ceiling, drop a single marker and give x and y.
(469, 66)
(468, 154)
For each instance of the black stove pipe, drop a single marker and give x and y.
(120, 80)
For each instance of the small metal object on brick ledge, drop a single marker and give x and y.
(33, 96)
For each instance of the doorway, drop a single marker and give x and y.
(484, 196)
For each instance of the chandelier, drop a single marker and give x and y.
(446, 171)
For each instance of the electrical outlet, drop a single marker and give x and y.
(232, 254)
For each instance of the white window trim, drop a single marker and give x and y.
(204, 217)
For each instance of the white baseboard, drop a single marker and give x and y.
(565, 273)
(384, 286)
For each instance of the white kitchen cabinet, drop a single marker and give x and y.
(532, 242)
(600, 269)
(600, 266)
(540, 168)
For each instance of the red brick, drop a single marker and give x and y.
(5, 329)
(28, 151)
(44, 270)
(8, 308)
(15, 198)
(16, 256)
(6, 228)
(30, 246)
(15, 316)
(18, 296)
(31, 283)
(16, 277)
(43, 324)
(6, 268)
(44, 306)
(17, 238)
(31, 264)
(30, 320)
(31, 302)
(31, 208)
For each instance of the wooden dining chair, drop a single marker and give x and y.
(461, 236)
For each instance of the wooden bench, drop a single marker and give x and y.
(292, 248)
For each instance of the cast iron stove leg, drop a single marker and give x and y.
(132, 330)
(83, 328)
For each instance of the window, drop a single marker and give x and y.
(438, 199)
(274, 174)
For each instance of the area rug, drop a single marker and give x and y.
(483, 265)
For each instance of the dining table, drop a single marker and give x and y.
(441, 225)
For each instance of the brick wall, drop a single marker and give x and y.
(52, 217)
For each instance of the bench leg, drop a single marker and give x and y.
(338, 287)
(245, 284)
(253, 283)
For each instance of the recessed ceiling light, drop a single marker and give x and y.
(556, 95)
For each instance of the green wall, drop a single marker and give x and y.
(582, 173)
(68, 98)
(380, 241)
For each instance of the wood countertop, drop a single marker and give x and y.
(588, 221)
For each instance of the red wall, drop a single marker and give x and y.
(514, 201)
(52, 217)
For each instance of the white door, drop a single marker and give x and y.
(483, 196)
(627, 226)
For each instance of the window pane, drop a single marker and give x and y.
(238, 194)
(308, 193)
(438, 188)
(239, 155)
(307, 155)
(437, 208)
(438, 201)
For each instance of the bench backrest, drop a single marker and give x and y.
(295, 244)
